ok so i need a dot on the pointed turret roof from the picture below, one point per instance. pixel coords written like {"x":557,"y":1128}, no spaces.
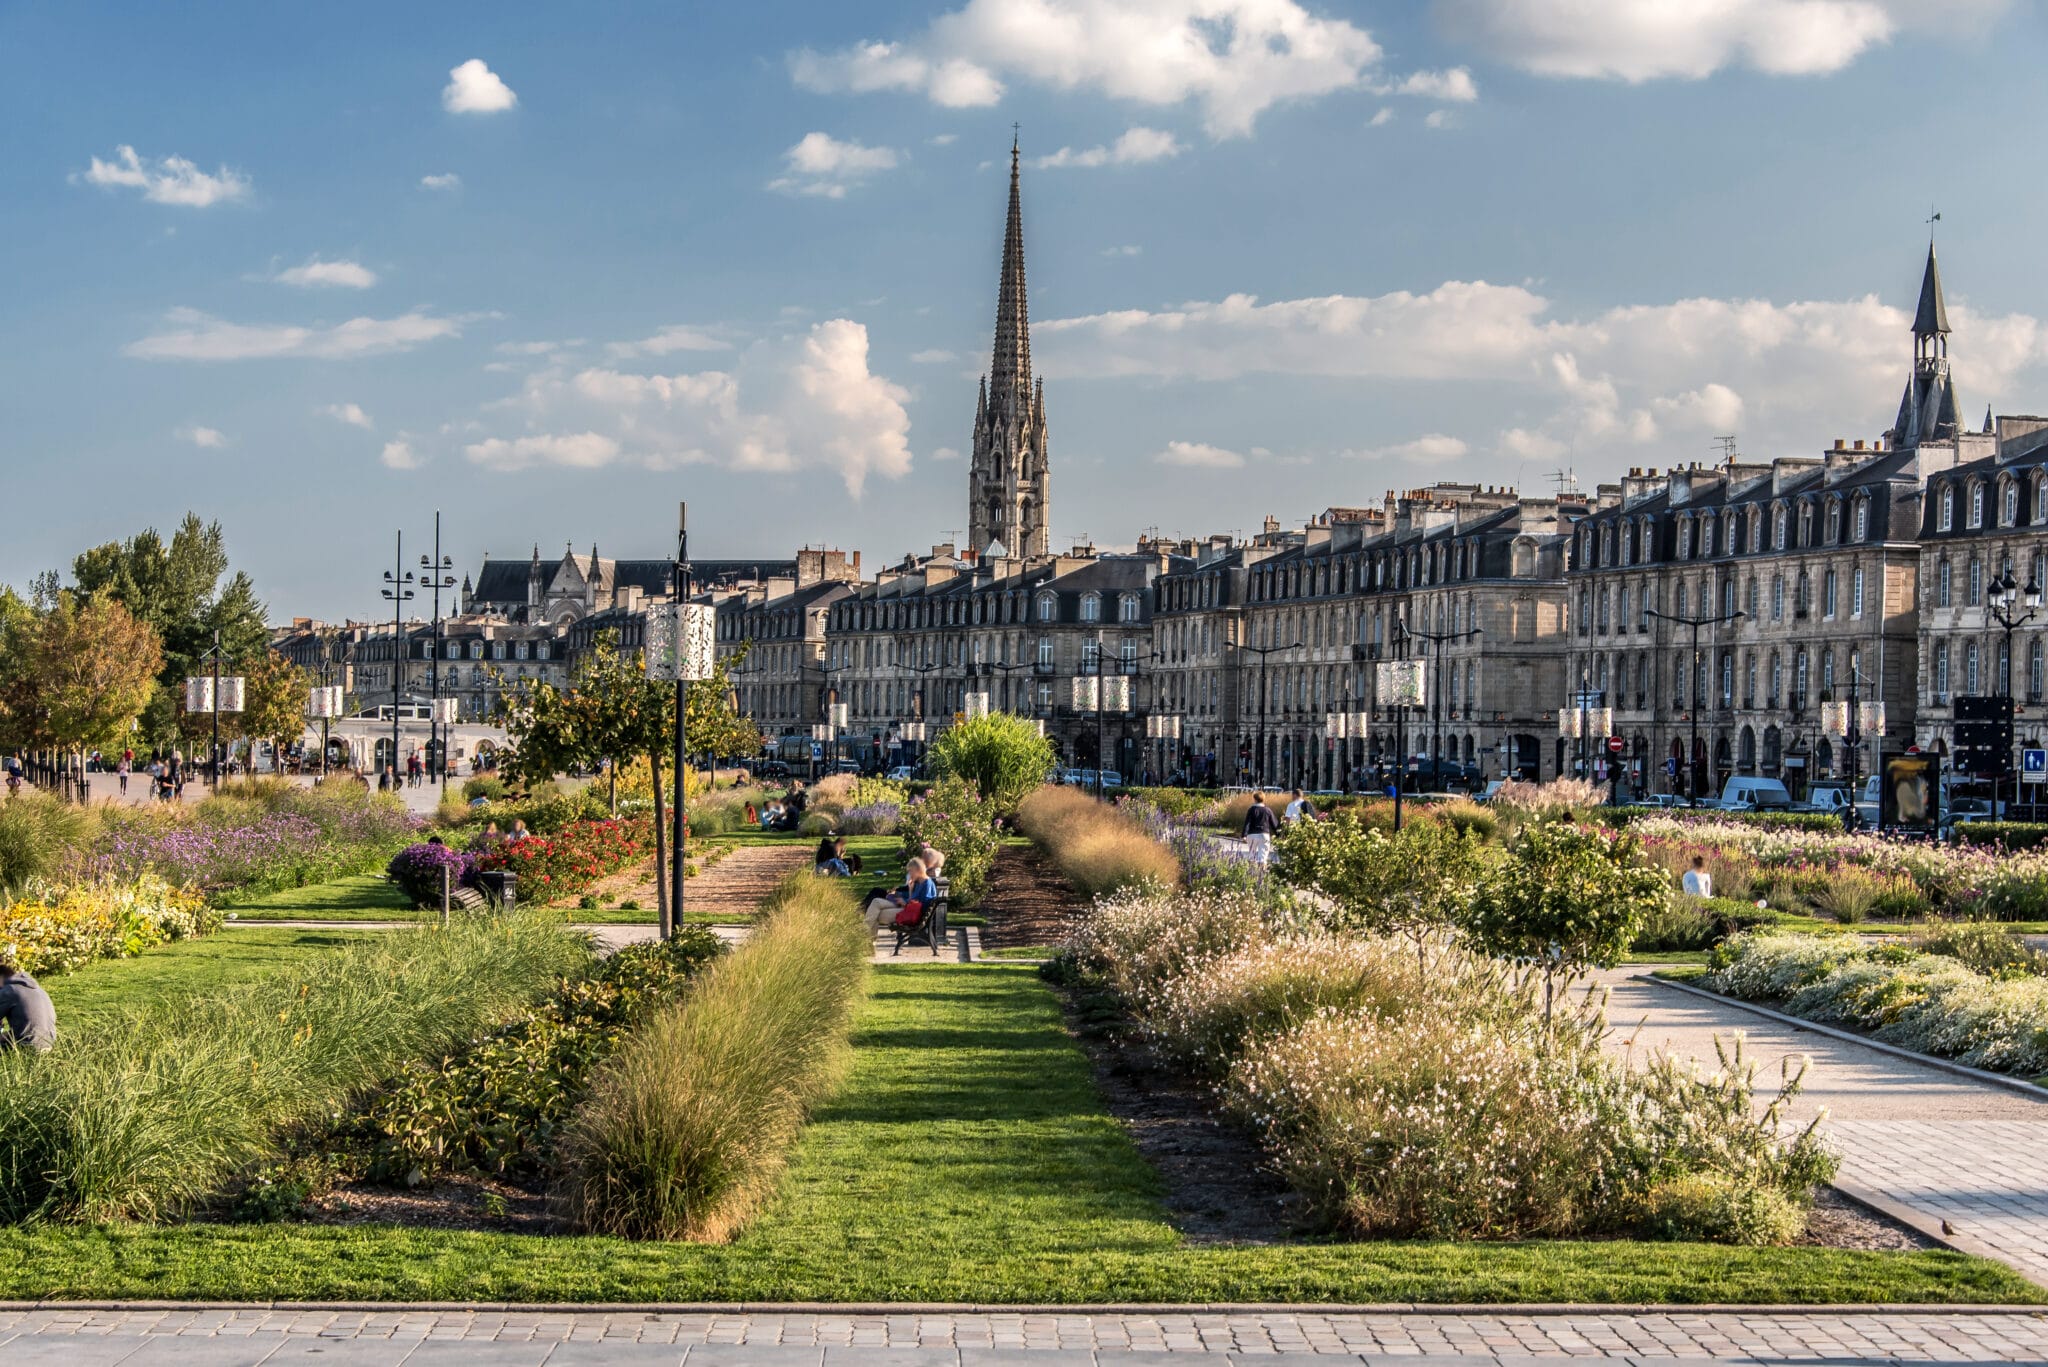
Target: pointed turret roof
{"x":1011,"y":366}
{"x":1931,"y":318}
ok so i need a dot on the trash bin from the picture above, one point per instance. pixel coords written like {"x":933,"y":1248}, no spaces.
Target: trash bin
{"x":501,"y":886}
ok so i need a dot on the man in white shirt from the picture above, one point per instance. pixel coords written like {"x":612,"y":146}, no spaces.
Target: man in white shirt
{"x":1697,"y":881}
{"x":1299,"y":808}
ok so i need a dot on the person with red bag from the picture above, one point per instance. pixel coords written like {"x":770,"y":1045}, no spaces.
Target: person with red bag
{"x":917,"y":893}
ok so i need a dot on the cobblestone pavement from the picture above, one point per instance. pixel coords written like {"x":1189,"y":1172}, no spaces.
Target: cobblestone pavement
{"x":1944,"y":1147}
{"x":568,"y":1338}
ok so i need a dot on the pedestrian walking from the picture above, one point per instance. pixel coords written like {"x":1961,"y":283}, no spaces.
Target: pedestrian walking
{"x":123,"y":771}
{"x":1259,"y":825}
{"x":1697,"y":881}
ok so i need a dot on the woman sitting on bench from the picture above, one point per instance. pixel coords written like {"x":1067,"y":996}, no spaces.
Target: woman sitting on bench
{"x":884,"y":904}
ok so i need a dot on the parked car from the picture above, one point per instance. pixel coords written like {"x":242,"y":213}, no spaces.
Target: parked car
{"x":903,"y":773}
{"x":1660,"y":800}
{"x":1747,"y":793}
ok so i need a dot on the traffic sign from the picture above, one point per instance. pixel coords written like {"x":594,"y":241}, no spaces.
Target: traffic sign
{"x":1614,"y":745}
{"x":2033,"y":765}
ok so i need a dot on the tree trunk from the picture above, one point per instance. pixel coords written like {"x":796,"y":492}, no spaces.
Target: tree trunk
{"x":660,"y":853}
{"x":612,"y":769}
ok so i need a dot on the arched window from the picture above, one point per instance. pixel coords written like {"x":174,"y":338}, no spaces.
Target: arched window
{"x":1778,"y":530}
{"x":1048,"y":607}
{"x":2012,"y":503}
{"x":1091,"y":607}
{"x":1127,"y":608}
{"x":1945,"y":518}
{"x":1706,"y":536}
{"x":1861,"y":529}
{"x":1941,"y":670}
{"x":1977,"y":503}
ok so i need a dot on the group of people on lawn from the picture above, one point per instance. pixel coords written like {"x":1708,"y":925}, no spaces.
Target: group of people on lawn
{"x":905,"y":904}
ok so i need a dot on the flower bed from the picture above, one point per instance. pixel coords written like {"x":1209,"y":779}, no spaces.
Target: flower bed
{"x":1933,"y":1003}
{"x":570,"y":860}
{"x":417,"y":870}
{"x":290,"y":838}
{"x":54,"y":929}
{"x":959,"y":823}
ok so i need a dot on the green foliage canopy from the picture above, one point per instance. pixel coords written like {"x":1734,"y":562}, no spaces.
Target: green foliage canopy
{"x":1000,"y":754}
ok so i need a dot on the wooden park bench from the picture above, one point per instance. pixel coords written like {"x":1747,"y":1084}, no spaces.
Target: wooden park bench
{"x":930,"y":926}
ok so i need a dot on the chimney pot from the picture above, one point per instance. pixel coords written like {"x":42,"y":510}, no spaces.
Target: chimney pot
{"x":1839,"y":443}
{"x":1859,"y":443}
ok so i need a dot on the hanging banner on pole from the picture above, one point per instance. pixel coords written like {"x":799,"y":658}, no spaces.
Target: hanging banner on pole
{"x":681,"y":641}
{"x":230,"y":699}
{"x":1403,"y":683}
{"x":199,"y":695}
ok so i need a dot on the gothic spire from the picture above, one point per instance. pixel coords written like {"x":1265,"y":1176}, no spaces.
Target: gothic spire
{"x":1931,"y":318}
{"x":1010,"y":368}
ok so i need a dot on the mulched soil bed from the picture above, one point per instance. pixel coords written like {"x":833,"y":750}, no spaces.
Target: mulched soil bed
{"x":1026,"y":901}
{"x":451,"y":1202}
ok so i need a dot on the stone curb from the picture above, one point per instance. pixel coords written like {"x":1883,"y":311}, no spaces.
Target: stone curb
{"x":2010,"y":1084}
{"x":1926,"y":1226}
{"x":861,"y":1308}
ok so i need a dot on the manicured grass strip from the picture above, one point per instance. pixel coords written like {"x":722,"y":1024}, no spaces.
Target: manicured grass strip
{"x":185,"y":968}
{"x":364,"y":897}
{"x":967,"y":1158}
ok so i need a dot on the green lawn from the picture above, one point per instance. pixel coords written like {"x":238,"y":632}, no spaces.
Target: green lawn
{"x":967,"y":1158}
{"x":185,"y":967}
{"x":364,"y":897}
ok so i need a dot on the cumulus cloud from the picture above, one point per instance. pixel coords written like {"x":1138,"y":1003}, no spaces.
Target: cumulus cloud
{"x":1429,"y":450}
{"x":933,"y":356}
{"x":1437,"y":118}
{"x":190,"y":335}
{"x":676,"y":337}
{"x":1455,"y":85}
{"x":1630,"y":40}
{"x":474,"y":88}
{"x":1199,"y":455}
{"x":804,"y":402}
{"x":319,"y":274}
{"x":1234,"y":59}
{"x":1786,"y":375}
{"x":350,"y":413}
{"x":946,"y":453}
{"x":1136,"y":147}
{"x":166,"y":180}
{"x":1382,"y":118}
{"x":445,"y":180}
{"x":823,"y":165}
{"x":210,"y":438}
{"x":1123,"y":249}
{"x":398,"y":454}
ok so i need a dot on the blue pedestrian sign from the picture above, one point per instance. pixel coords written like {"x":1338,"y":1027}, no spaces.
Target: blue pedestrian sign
{"x":2033,"y":766}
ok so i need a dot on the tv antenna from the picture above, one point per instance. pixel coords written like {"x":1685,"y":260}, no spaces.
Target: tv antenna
{"x":1727,"y":445}
{"x":1562,"y":480}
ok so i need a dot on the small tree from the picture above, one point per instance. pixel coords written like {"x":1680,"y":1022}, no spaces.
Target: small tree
{"x":273,"y":702}
{"x":1415,"y":883}
{"x":1002,"y":755}
{"x":80,"y":675}
{"x":1567,"y":898}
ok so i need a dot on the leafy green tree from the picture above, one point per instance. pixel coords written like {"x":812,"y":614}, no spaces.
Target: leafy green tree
{"x":1414,"y":883}
{"x":1567,"y":898}
{"x":273,"y":701}
{"x":184,"y":591}
{"x":1002,"y":755}
{"x":76,"y":675}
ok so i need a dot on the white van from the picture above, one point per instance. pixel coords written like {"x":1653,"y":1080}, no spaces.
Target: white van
{"x":1748,"y":794}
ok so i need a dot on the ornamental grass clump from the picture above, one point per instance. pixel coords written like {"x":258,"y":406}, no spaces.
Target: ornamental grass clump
{"x":1100,"y":848}
{"x":160,"y":1112}
{"x":687,"y":1127}
{"x":39,"y":836}
{"x":1139,"y":940}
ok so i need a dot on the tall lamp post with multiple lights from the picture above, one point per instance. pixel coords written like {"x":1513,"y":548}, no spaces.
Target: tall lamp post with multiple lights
{"x":1265,"y":654}
{"x":1696,"y":622}
{"x":681,"y":648}
{"x":212,"y":694}
{"x":398,"y":592}
{"x":438,"y":572}
{"x":1436,"y":640}
{"x":1851,"y":721}
{"x":2006,"y":595}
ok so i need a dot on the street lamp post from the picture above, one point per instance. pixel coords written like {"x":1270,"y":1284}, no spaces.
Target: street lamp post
{"x":920,"y":712}
{"x":1581,"y":718}
{"x":216,"y":702}
{"x":2005,"y":595}
{"x":1436,"y":641}
{"x":438,"y":574}
{"x":397,"y":591}
{"x":1265,"y":654}
{"x":1692,"y":754}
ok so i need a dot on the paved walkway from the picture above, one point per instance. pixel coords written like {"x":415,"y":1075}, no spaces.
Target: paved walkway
{"x":1945,"y":1148}
{"x":1067,"y":1338}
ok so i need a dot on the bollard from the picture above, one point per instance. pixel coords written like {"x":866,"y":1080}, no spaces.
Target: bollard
{"x":444,"y":894}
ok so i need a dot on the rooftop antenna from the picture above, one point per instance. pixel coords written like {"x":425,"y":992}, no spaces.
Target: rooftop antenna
{"x":1727,"y":445}
{"x":1562,"y":480}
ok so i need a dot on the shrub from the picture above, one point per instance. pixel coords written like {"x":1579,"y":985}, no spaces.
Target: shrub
{"x":1415,"y":882}
{"x":161,"y":1110}
{"x":954,"y":820}
{"x":2011,"y":835}
{"x":1717,"y":1208}
{"x":871,"y":818}
{"x":38,"y":835}
{"x":1548,"y":801}
{"x":55,"y":929}
{"x":1699,"y":922}
{"x":687,"y":1127}
{"x":1100,"y":848}
{"x":1467,"y":818}
{"x":2017,"y":890}
{"x":571,"y":859}
{"x":498,"y":1106}
{"x":1139,"y":939}
{"x":712,"y":818}
{"x":1003,"y":756}
{"x":489,"y":788}
{"x":1850,"y":893}
{"x":1983,"y":948}
{"x":417,"y":871}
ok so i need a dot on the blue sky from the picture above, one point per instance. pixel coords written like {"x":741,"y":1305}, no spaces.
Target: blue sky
{"x":549,"y":269}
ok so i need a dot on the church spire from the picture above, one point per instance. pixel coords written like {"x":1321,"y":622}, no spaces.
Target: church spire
{"x":1931,"y":318}
{"x":1010,"y":368}
{"x":1928,"y":411}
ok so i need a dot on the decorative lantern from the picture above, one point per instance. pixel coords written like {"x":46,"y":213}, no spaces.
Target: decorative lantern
{"x":199,"y":694}
{"x":1086,"y":693}
{"x":1116,"y":693}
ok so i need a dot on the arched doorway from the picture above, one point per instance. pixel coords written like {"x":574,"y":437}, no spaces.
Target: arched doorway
{"x":1747,"y":753}
{"x":1773,"y":759}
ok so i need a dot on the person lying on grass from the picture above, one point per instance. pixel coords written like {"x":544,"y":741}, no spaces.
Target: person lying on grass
{"x":27,"y":1020}
{"x":884,"y":904}
{"x":831,"y":858}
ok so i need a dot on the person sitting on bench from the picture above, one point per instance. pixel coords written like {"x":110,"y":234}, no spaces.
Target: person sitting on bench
{"x":883,"y":904}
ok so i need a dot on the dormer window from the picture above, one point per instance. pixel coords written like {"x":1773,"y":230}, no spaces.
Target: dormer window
{"x":2012,"y":504}
{"x":1945,"y":517}
{"x":1048,"y":607}
{"x":1127,"y":608}
{"x":1976,"y":505}
{"x":1862,"y":519}
{"x":1091,"y":607}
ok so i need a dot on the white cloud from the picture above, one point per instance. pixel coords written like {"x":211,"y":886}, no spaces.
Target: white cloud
{"x":803,"y":402}
{"x":676,"y":337}
{"x":1126,"y":249}
{"x":195,"y":336}
{"x":946,"y":453}
{"x":1235,"y":59}
{"x":1433,"y":449}
{"x":1136,"y":147}
{"x":399,"y":455}
{"x":1455,"y":85}
{"x":1381,"y":119}
{"x":1786,"y":376}
{"x":1199,"y":455}
{"x":209,"y":437}
{"x":1438,"y":118}
{"x":446,"y":180}
{"x":823,"y":165}
{"x":169,"y":180}
{"x":474,"y":88}
{"x":316,"y":274}
{"x":943,"y":139}
{"x":933,"y":356}
{"x":350,"y":413}
{"x":1643,"y":40}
